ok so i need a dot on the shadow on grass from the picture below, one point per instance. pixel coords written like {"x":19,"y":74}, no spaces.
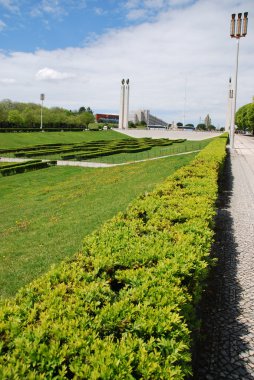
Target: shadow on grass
{"x":220,"y":350}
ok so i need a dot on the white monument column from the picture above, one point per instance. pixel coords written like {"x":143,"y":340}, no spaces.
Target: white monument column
{"x":229,"y":110}
{"x":126,"y":105}
{"x":122,"y":101}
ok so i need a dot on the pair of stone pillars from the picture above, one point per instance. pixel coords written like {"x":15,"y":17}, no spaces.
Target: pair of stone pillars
{"x":124,"y":105}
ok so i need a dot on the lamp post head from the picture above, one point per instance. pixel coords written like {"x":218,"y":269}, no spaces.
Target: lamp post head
{"x":127,"y":81}
{"x":239,"y":25}
{"x":245,"y":23}
{"x":232,"y":26}
{"x":238,"y":28}
{"x":123,"y":81}
{"x":42,"y":96}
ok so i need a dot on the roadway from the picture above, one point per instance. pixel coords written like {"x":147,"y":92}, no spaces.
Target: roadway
{"x":164,"y":133}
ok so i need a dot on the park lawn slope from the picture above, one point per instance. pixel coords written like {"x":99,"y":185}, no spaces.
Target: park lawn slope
{"x":124,"y":307}
{"x":20,"y":140}
{"x":46,"y":214}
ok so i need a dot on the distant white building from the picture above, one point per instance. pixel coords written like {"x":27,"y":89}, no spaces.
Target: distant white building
{"x":145,"y":116}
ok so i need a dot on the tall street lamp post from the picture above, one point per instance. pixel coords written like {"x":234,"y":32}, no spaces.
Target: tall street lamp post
{"x":229,"y":111}
{"x":42,"y":97}
{"x":238,"y":29}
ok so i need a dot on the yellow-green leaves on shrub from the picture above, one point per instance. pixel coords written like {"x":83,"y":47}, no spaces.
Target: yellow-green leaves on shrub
{"x":124,"y":308}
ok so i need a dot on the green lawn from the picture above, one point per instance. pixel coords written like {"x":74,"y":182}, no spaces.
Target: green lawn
{"x":18,"y":140}
{"x":45,"y":214}
{"x":71,"y":137}
{"x":157,"y":151}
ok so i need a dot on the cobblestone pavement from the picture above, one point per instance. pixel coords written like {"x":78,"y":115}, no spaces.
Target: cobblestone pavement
{"x":226,"y":349}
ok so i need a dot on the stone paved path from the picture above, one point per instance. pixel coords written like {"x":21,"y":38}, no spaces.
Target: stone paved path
{"x":227,"y":348}
{"x":169,"y":134}
{"x":97,"y":164}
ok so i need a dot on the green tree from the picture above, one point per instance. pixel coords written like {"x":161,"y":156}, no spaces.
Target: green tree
{"x":29,"y":114}
{"x":89,"y":110}
{"x":131,"y":124}
{"x":241,"y":117}
{"x":85,"y":118}
{"x":15,"y":117}
{"x":201,"y":127}
{"x":85,"y":109}
{"x":30,"y":117}
{"x":82,"y":109}
{"x":250,"y":118}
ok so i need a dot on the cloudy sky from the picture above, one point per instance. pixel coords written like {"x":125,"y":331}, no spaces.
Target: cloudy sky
{"x":177,"y":54}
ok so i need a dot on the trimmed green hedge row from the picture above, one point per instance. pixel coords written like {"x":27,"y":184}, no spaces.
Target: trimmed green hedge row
{"x":25,"y":167}
{"x":60,"y":128}
{"x":106,"y":152}
{"x":10,"y":165}
{"x":119,"y":146}
{"x":90,"y":149}
{"x":124,"y":307}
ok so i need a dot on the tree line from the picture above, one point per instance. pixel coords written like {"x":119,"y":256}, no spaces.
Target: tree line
{"x":28,"y":115}
{"x":244,"y":118}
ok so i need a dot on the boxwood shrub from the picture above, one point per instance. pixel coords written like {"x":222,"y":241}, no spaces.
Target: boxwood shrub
{"x":124,"y":307}
{"x":25,"y":167}
{"x":82,"y":150}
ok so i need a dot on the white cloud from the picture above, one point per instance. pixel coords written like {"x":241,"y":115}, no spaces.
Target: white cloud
{"x":139,"y":9}
{"x":2,"y":25}
{"x":56,"y":8}
{"x":7,"y":80}
{"x":51,"y":7}
{"x":137,"y":14}
{"x":48,"y":74}
{"x":10,"y":5}
{"x":99,"y":11}
{"x":192,"y":43}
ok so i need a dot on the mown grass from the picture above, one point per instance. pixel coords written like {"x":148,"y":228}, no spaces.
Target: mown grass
{"x":157,"y":151}
{"x":20,"y":140}
{"x":46,"y":214}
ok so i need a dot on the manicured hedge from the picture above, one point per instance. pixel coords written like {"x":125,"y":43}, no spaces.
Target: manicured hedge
{"x":25,"y":167}
{"x":84,"y":150}
{"x":54,"y":127}
{"x":14,"y":164}
{"x":105,"y":152}
{"x":124,"y":307}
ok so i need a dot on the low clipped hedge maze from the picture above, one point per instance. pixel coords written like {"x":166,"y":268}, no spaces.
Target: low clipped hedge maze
{"x":124,"y":307}
{"x":87,"y":150}
{"x":15,"y":168}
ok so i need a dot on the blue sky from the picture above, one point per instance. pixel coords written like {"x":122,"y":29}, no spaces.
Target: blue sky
{"x":32,"y":25}
{"x":177,"y":53}
{"x":51,"y":24}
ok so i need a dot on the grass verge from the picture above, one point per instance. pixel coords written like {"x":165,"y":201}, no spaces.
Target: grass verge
{"x":20,"y":140}
{"x":45,"y":215}
{"x":175,"y":148}
{"x":124,"y":308}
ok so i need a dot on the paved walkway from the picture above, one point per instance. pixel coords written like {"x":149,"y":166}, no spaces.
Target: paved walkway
{"x":227,"y":349}
{"x":97,"y":164}
{"x":168,"y":134}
